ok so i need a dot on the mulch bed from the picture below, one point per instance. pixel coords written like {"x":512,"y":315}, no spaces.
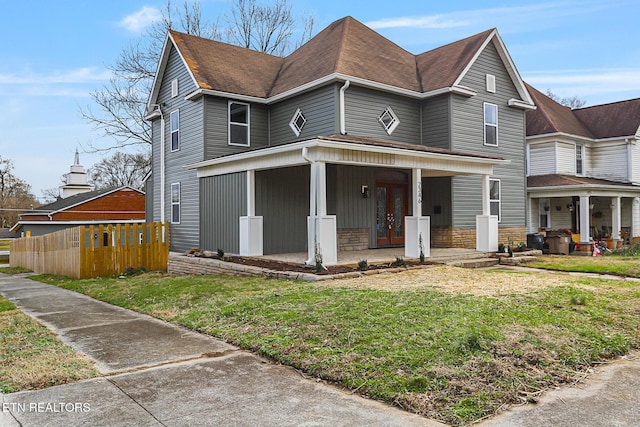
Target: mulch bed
{"x":303,"y":268}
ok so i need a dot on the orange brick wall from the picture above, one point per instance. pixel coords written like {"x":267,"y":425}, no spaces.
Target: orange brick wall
{"x":122,"y":204}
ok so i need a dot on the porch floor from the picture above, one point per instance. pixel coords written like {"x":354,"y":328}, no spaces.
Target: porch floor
{"x":383,"y":255}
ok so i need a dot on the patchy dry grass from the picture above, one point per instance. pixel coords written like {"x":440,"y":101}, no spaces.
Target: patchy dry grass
{"x":445,"y":342}
{"x":31,"y":357}
{"x":626,"y":266}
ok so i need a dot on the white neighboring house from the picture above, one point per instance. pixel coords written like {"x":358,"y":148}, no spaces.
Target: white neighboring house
{"x":583,"y":168}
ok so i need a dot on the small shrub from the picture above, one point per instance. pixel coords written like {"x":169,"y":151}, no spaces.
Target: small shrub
{"x":363,"y":265}
{"x":500,"y":247}
{"x":220,"y":253}
{"x":399,"y":262}
{"x":522,"y":247}
{"x":133,"y":271}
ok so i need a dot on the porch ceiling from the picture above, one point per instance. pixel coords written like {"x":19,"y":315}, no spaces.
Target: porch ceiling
{"x":342,"y":149}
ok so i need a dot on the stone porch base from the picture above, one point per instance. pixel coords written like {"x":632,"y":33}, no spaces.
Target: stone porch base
{"x":448,"y":237}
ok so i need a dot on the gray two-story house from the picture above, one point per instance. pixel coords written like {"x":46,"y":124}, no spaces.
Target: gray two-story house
{"x":350,"y":142}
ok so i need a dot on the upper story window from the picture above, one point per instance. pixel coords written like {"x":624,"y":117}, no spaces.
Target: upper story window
{"x":579,"y":159}
{"x":175,"y":203}
{"x":238,"y":123}
{"x":388,"y":120}
{"x":490,"y":124}
{"x":297,"y":122}
{"x":175,"y":130}
{"x":495,"y":203}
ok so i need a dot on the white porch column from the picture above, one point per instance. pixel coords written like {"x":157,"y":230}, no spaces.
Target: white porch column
{"x":417,"y":227}
{"x":585,"y":214}
{"x":322,"y":230}
{"x":251,"y":228}
{"x":486,"y":224}
{"x":616,"y":218}
{"x":635,"y":217}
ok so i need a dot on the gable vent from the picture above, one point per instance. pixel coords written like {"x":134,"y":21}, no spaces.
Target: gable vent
{"x":491,"y":83}
{"x":174,"y":88}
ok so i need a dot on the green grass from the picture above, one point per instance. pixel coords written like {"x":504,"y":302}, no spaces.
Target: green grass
{"x":457,"y":358}
{"x":14,"y":270}
{"x":31,"y":357}
{"x":611,"y":264}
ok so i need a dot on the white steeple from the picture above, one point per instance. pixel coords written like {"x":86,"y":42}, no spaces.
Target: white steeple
{"x":77,"y":180}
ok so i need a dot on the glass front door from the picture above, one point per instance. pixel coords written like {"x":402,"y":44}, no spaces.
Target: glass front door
{"x":391,"y":208}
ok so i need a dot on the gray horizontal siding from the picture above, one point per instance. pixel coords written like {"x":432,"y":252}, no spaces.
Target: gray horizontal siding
{"x":436,"y":124}
{"x":467,"y":135}
{"x":319,"y":107}
{"x":364,"y":106}
{"x":224,"y":201}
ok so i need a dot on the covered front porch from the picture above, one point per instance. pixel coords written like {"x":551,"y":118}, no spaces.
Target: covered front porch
{"x":352,"y":185}
{"x":594,"y":210}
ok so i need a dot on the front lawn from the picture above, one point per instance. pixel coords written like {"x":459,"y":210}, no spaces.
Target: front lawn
{"x":611,"y":264}
{"x":436,"y":349}
{"x":31,"y":357}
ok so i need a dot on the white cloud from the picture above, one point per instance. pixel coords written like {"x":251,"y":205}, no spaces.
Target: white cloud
{"x":430,"y":21}
{"x":75,"y":76}
{"x":141,"y":19}
{"x":594,"y":85}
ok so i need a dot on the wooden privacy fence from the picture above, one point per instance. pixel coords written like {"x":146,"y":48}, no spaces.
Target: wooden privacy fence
{"x":94,"y":251}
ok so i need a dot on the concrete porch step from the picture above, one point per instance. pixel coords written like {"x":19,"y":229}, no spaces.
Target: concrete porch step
{"x":474,"y":263}
{"x":517,"y":260}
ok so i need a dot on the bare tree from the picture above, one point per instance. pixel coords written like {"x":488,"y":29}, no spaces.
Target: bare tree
{"x":120,"y":169}
{"x":572,"y":102}
{"x":15,"y":194}
{"x":121,"y":105}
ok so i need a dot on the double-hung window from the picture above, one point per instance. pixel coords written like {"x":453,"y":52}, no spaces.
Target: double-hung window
{"x":238,"y":123}
{"x":490,"y":124}
{"x":175,"y":203}
{"x":494,"y":198}
{"x":175,"y":130}
{"x":579,"y":159}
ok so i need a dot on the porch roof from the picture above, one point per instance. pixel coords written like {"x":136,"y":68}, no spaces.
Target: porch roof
{"x":352,"y":150}
{"x":557,"y":185}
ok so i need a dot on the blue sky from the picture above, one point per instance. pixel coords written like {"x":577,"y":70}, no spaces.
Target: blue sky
{"x":55,"y":53}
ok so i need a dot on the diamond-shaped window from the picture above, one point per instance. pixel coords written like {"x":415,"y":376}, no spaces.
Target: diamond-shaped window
{"x":297,"y":122}
{"x":388,"y":120}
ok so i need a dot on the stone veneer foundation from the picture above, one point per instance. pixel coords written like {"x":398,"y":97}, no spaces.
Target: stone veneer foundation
{"x":447,"y":237}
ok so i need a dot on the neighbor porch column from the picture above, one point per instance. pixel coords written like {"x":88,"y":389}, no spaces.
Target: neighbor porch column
{"x":417,"y":227}
{"x":635,"y":217}
{"x":585,"y":231}
{"x":322,"y":231}
{"x":486,"y":224}
{"x":251,"y":228}
{"x":616,"y":218}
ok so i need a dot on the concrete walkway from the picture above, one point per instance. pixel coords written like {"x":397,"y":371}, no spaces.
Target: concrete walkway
{"x":157,"y":374}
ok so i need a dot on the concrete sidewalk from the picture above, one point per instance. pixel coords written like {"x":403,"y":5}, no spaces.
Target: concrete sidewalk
{"x":157,"y":374}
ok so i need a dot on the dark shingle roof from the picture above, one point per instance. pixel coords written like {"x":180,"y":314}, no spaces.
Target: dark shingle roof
{"x":617,"y":119}
{"x":556,"y":180}
{"x":70,"y":201}
{"x":345,"y":47}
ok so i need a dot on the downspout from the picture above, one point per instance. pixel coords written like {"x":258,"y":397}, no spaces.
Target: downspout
{"x":343,"y":125}
{"x":162,"y":166}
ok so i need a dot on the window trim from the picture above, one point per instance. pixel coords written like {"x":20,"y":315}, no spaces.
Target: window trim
{"x":484,"y":112}
{"x":579,"y":148}
{"x":172,"y":131}
{"x":178,"y":203}
{"x":498,"y":200}
{"x":247,"y":125}
{"x":293,"y":123}
{"x":395,"y":121}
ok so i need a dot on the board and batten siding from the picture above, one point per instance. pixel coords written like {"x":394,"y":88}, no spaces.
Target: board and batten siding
{"x":437,"y":192}
{"x":319,"y":108}
{"x":351,"y":209}
{"x":436,"y":124}
{"x":282,"y":199}
{"x":468,"y":135}
{"x":216,"y":128}
{"x":223,"y":202}
{"x":609,"y":161}
{"x":364,"y":106}
{"x":184,"y":235}
{"x":542,"y":158}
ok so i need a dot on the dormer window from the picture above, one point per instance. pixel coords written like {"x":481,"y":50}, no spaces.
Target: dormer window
{"x":297,"y":122}
{"x":388,"y":120}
